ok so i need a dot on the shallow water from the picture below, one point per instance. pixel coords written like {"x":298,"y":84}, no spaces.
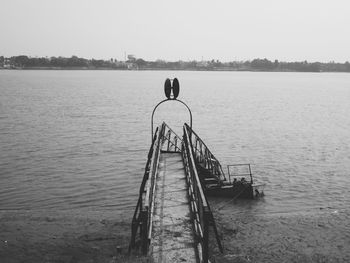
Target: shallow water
{"x":78,"y":140}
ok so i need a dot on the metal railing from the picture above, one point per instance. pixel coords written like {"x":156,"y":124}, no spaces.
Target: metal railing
{"x":202,"y":216}
{"x":172,"y":140}
{"x":148,"y":200}
{"x":201,"y":212}
{"x":204,"y":157}
{"x":144,"y":211}
{"x":143,"y":214}
{"x":241,"y":172}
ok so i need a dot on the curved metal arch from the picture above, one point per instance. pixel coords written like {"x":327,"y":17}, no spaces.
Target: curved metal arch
{"x":189,"y":110}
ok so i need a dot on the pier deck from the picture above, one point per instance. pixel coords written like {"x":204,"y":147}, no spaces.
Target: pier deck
{"x":172,"y":237}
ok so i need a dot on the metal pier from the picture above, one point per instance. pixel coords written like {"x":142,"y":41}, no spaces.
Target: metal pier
{"x":172,"y":215}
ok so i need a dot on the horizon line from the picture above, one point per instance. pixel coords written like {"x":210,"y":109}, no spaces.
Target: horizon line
{"x":180,"y":60}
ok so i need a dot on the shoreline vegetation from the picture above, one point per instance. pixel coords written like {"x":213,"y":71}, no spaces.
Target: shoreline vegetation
{"x":133,"y":63}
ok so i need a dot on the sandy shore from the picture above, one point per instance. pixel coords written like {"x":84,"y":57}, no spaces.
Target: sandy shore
{"x":60,"y":237}
{"x":66,"y":237}
{"x":292,"y":237}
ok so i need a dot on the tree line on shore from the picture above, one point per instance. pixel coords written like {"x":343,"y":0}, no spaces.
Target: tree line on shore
{"x":74,"y":62}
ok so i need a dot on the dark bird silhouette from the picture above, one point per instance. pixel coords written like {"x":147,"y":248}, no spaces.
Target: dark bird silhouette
{"x":167,"y":88}
{"x":176,"y":88}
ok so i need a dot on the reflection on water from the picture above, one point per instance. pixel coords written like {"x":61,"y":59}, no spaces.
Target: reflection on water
{"x":79,"y":139}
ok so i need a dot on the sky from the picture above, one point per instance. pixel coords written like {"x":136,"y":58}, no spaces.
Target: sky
{"x":287,"y":30}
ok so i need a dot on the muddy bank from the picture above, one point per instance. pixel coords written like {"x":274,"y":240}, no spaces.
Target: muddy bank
{"x":62,"y":237}
{"x":322,"y":236}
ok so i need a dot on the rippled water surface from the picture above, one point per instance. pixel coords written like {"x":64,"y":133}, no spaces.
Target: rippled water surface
{"x":79,"y":139}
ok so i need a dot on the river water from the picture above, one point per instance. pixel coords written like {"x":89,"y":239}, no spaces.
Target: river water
{"x":78,"y":140}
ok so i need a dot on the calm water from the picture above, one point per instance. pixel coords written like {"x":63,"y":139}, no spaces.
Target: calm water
{"x":79,"y":139}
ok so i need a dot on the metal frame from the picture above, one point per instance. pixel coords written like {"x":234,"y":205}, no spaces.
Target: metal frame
{"x":204,"y":156}
{"x":240,"y":175}
{"x":189,"y":110}
{"x":202,"y":215}
{"x":143,"y":215}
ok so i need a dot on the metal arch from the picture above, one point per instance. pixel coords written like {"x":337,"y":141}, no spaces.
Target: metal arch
{"x":165,"y":101}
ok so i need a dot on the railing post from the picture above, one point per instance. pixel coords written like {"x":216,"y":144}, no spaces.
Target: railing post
{"x":143,"y":232}
{"x":134,"y":227}
{"x":168,"y":148}
{"x":206,"y":236}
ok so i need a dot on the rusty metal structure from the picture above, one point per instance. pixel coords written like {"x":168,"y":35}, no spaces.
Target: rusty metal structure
{"x":176,"y":220}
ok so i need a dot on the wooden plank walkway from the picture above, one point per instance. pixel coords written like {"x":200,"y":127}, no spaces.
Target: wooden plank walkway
{"x":172,"y":235}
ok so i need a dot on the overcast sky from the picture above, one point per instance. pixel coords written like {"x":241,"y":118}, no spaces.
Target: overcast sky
{"x":287,"y":30}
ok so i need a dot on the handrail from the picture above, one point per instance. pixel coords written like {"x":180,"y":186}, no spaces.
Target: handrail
{"x":174,"y":140}
{"x":192,"y":165}
{"x":144,"y":211}
{"x":202,"y":215}
{"x":143,"y":214}
{"x":149,"y":201}
{"x":140,"y":213}
{"x":204,"y":156}
{"x":197,"y":197}
{"x":249,"y":173}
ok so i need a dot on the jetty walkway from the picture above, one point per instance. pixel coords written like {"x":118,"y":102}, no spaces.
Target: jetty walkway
{"x":172,"y":216}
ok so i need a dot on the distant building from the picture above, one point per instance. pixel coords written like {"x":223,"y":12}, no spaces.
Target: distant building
{"x":7,"y":63}
{"x":132,"y":66}
{"x":202,"y":64}
{"x":131,"y":58}
{"x":120,"y":63}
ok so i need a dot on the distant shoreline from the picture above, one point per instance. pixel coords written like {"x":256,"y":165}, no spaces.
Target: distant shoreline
{"x":132,"y":63}
{"x":164,"y":69}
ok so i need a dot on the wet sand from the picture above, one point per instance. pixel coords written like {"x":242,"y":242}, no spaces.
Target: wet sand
{"x":289,"y":237}
{"x":63,"y":237}
{"x":60,"y":237}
